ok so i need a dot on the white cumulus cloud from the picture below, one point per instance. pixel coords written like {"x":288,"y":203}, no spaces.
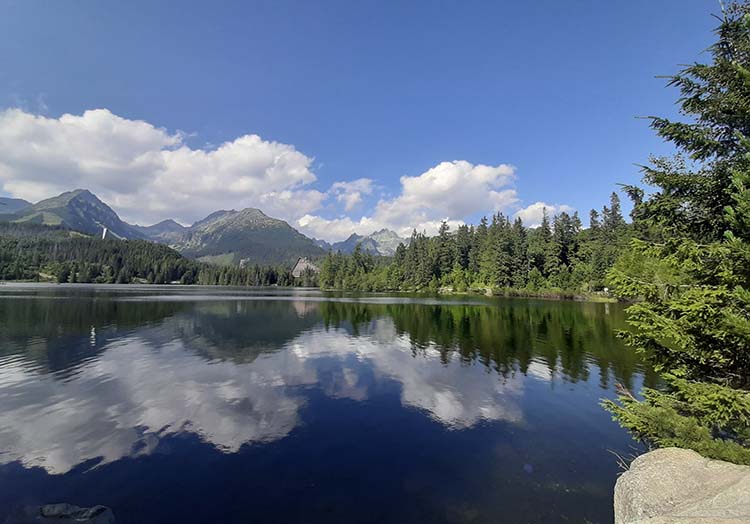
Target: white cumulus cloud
{"x":350,"y":193}
{"x":147,"y":173}
{"x":532,"y":214}
{"x":449,"y":191}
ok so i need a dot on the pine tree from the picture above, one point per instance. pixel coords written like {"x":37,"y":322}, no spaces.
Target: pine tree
{"x":444,"y":251}
{"x":478,"y":240}
{"x":463,"y":245}
{"x":594,"y":221}
{"x":519,"y":256}
{"x":613,"y":221}
{"x":63,"y":273}
{"x":691,"y":264}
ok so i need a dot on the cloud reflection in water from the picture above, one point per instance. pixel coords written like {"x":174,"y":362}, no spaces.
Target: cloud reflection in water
{"x":146,"y":385}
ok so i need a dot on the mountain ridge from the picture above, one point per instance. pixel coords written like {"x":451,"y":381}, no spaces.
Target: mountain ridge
{"x":224,"y":236}
{"x":165,"y":231}
{"x":382,"y":242}
{"x":79,"y":210}
{"x":12,"y":205}
{"x":248,"y":234}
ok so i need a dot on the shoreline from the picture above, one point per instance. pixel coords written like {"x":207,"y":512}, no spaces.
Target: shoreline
{"x":499,"y":293}
{"x":564,"y":296}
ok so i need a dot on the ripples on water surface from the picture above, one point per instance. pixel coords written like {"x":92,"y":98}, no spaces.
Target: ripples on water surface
{"x":232,"y":405}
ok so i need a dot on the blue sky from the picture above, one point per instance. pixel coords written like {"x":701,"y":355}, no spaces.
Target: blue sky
{"x":339,"y":92}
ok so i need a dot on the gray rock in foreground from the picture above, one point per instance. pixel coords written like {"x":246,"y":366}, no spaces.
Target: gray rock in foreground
{"x":73,"y":514}
{"x":61,"y":514}
{"x":679,"y":486}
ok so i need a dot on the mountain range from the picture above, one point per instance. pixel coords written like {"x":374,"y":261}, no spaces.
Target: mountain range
{"x":223,"y":237}
{"x":12,"y":205}
{"x":79,"y":210}
{"x":167,"y":231}
{"x":383,"y":242}
{"x":227,"y":237}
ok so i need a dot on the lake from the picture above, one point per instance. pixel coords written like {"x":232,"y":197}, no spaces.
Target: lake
{"x":196,"y":405}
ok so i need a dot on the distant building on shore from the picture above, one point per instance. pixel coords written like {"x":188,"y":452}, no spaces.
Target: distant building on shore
{"x":303,"y":265}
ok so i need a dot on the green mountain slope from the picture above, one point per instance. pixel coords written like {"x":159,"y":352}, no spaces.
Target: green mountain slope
{"x":230,"y":236}
{"x":31,"y":251}
{"x":12,"y":205}
{"x":167,"y":231}
{"x":80,"y":210}
{"x":223,"y":237}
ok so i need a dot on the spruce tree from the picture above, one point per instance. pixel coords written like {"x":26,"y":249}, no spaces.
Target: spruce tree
{"x":444,"y":250}
{"x":690,"y":266}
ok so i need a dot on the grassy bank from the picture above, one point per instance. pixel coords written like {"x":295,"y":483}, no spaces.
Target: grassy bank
{"x":548,"y":294}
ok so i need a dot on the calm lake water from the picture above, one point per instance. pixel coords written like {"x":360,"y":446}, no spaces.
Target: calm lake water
{"x":202,"y":405}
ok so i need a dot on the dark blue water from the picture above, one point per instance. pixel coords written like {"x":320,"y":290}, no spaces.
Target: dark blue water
{"x":212,"y":405}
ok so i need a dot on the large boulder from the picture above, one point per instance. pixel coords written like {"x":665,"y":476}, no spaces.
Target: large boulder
{"x":61,"y":513}
{"x":73,"y":514}
{"x":679,"y":486}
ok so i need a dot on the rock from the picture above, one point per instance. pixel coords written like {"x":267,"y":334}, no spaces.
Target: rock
{"x":679,"y":486}
{"x":60,"y":514}
{"x":68,"y":513}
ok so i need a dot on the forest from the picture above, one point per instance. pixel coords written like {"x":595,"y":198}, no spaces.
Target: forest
{"x":559,"y":257}
{"x":35,"y":252}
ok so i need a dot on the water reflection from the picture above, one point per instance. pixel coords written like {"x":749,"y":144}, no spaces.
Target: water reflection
{"x":99,"y":380}
{"x":456,"y":395}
